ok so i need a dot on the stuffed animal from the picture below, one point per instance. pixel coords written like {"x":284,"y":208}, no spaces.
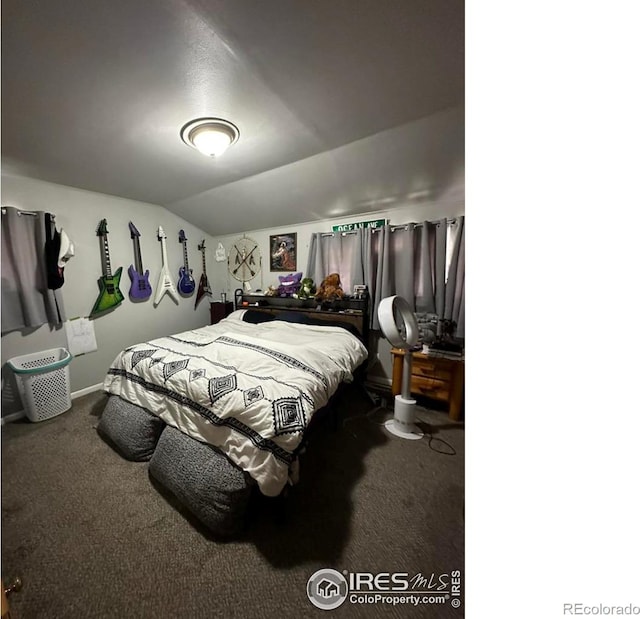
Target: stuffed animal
{"x":272,"y":291}
{"x":289,"y":284}
{"x":307,"y":288}
{"x":330,"y":289}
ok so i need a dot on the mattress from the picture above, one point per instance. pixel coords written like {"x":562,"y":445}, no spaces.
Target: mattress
{"x":250,"y":390}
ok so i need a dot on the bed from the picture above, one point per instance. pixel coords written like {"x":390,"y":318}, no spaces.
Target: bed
{"x":223,"y":408}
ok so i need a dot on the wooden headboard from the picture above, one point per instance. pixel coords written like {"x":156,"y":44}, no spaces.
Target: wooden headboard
{"x":353,"y":312}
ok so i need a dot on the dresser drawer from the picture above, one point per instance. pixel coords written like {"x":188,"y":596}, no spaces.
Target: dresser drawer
{"x":430,"y":368}
{"x":432,"y":376}
{"x":430,"y":387}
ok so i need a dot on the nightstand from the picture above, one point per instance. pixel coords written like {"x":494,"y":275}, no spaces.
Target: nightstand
{"x":220,"y":310}
{"x":436,"y":376}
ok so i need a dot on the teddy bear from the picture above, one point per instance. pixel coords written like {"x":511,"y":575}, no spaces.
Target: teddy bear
{"x":330,"y":288}
{"x":307,"y":288}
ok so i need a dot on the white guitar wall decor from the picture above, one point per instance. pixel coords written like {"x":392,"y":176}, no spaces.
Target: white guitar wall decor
{"x":165,"y":283}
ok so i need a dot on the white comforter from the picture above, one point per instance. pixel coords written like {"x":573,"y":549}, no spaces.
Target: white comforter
{"x":248,"y":389}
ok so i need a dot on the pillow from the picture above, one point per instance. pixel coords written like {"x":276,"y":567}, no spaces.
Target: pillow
{"x":255,"y":317}
{"x":305,"y":319}
{"x":298,"y":317}
{"x":133,"y":430}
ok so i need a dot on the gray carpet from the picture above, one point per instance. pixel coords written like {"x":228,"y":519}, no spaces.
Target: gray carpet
{"x":92,"y":536}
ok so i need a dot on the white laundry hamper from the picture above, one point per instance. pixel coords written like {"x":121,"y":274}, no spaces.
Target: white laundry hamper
{"x":43,"y":382}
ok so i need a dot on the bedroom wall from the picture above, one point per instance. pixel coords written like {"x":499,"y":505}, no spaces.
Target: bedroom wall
{"x":450,"y":205}
{"x":79,"y":212}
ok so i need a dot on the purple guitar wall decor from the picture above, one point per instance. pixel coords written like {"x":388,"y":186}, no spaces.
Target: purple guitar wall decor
{"x":140,"y":286}
{"x":186,"y":283}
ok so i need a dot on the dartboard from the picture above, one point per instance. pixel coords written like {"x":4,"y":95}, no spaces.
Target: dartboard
{"x":244,"y":259}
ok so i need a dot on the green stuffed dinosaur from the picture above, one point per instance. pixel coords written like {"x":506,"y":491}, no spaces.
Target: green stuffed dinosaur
{"x":307,"y":288}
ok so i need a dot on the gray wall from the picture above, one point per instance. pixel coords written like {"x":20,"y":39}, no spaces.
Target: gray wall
{"x":79,"y":212}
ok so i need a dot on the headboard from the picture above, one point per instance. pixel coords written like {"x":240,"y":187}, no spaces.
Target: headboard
{"x":351,"y":312}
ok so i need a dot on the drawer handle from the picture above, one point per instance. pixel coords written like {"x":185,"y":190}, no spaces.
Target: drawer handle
{"x":435,"y":374}
{"x":426,"y":369}
{"x":430,"y":387}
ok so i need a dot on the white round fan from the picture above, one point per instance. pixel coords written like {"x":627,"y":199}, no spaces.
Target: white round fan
{"x":400,"y":327}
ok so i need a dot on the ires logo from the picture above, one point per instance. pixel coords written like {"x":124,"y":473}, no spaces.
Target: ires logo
{"x":448,"y":582}
{"x":327,"y":589}
{"x":384,"y":581}
{"x":456,"y":584}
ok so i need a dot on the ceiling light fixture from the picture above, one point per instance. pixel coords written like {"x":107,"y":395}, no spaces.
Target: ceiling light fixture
{"x":211,"y":136}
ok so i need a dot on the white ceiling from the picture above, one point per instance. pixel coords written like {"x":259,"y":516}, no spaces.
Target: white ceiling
{"x":334,"y":100}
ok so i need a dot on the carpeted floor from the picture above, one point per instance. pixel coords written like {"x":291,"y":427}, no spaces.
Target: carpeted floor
{"x":91,"y":535}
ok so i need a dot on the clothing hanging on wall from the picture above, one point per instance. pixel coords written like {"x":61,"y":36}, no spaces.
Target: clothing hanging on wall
{"x":55,"y":275}
{"x":27,"y":301}
{"x":67,"y":249}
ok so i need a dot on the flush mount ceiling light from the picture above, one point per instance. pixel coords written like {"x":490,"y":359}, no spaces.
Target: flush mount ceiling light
{"x":211,"y":136}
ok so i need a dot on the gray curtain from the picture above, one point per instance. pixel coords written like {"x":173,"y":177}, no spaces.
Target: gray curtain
{"x":335,"y":253}
{"x":433,"y":247}
{"x":26,"y":299}
{"x":316,"y":262}
{"x":377,"y":269}
{"x":454,"y":301}
{"x":408,"y":260}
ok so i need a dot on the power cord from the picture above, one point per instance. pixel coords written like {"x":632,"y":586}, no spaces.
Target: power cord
{"x":382,"y":406}
{"x":432,"y":438}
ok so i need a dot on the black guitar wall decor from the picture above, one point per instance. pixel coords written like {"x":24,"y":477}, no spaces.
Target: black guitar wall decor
{"x":203,"y":286}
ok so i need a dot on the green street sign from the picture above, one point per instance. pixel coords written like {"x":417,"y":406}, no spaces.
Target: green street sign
{"x":375,"y":223}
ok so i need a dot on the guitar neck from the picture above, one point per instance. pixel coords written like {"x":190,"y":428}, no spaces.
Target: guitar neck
{"x":137,"y":255}
{"x":186,"y":255}
{"x":107,"y":260}
{"x":163,"y":244}
{"x":204,"y":264}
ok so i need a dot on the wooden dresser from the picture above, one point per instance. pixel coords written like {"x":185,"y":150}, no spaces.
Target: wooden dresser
{"x":433,"y":376}
{"x":220,"y":310}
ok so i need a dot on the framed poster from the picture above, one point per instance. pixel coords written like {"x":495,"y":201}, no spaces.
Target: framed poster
{"x":283,"y":252}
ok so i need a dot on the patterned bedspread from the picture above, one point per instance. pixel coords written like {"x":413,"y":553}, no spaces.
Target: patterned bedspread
{"x":250,"y":390}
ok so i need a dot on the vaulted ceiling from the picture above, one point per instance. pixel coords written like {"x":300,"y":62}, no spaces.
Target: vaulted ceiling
{"x":334,"y":100}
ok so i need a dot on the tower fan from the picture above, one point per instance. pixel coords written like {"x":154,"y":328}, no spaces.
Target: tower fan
{"x":400,"y":327}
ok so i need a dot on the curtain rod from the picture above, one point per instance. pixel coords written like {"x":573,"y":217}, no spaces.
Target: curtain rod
{"x":21,"y":212}
{"x":392,"y":228}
